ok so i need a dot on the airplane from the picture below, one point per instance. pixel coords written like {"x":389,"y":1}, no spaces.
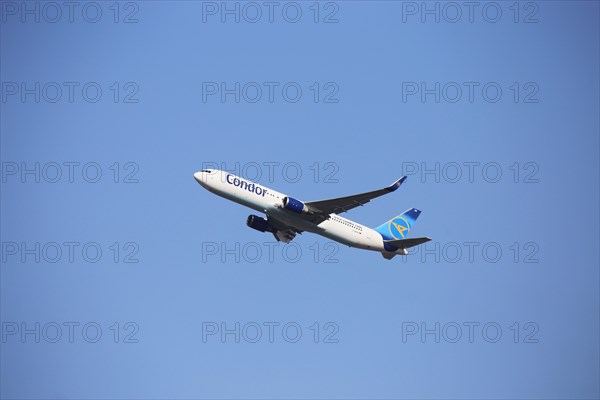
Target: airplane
{"x":287,"y":216}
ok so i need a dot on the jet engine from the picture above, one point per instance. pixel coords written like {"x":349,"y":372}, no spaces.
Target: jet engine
{"x":289,"y":203}
{"x":259,"y":223}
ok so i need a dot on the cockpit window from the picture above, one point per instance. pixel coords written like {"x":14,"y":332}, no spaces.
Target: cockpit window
{"x":207,"y":170}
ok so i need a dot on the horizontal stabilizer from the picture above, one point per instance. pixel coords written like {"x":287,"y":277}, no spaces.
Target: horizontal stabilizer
{"x":407,"y":243}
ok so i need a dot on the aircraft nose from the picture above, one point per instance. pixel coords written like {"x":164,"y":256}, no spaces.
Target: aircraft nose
{"x":198,"y":177}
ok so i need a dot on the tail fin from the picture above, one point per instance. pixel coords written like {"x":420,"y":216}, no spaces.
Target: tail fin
{"x":398,"y":227}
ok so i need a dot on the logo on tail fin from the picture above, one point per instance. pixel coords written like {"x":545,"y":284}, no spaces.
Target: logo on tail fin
{"x":398,"y":227}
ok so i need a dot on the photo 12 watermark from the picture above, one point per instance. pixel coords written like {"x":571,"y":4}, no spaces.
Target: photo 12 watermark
{"x":469,"y":92}
{"x":470,"y":12}
{"x":435,"y":332}
{"x":28,"y":332}
{"x":474,"y":252}
{"x":269,"y":252}
{"x":270,"y":332}
{"x":270,"y":92}
{"x":71,"y":172}
{"x":69,"y":12}
{"x":277,"y":171}
{"x":270,"y":12}
{"x":485,"y":171}
{"x":69,"y":252}
{"x":90,"y":92}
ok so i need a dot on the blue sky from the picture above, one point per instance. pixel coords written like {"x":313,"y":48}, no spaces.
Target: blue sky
{"x":505,"y":171}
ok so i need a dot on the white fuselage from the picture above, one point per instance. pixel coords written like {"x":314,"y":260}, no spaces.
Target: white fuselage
{"x":270,"y":202}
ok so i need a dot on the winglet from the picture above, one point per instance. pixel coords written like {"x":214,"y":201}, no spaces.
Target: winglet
{"x":396,"y":184}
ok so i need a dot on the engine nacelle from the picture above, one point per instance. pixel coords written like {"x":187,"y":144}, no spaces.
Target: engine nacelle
{"x":289,"y":203}
{"x":259,"y":223}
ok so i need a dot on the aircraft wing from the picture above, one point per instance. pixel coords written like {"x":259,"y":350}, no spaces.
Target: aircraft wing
{"x":343,"y":204}
{"x":283,"y":233}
